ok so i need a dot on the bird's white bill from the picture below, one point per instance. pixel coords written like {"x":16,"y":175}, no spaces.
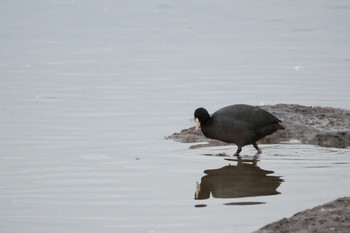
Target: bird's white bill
{"x":198,"y":124}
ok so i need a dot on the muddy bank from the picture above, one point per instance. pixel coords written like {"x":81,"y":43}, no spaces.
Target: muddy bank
{"x":323,"y":126}
{"x":330,"y":217}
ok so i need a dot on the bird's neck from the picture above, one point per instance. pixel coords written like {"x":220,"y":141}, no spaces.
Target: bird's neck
{"x":205,"y":127}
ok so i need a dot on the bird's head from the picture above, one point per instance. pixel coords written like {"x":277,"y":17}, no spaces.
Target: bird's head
{"x":201,"y":116}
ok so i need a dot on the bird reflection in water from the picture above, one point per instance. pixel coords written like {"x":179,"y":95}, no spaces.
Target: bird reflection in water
{"x":245,"y":179}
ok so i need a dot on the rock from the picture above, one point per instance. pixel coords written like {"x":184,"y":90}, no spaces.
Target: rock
{"x":330,"y":217}
{"x":330,"y":139}
{"x":323,"y":126}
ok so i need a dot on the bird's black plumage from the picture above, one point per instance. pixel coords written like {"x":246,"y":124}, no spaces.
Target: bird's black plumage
{"x":239,"y":124}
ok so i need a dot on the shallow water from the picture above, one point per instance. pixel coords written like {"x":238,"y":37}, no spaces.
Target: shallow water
{"x":89,"y":90}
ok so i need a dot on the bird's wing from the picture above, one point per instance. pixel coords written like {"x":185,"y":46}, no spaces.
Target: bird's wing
{"x":250,"y":114}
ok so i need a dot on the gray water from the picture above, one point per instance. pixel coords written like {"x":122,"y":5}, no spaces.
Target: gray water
{"x":89,"y":89}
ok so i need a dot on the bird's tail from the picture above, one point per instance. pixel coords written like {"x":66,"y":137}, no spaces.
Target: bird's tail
{"x":267,"y":130}
{"x":279,"y":126}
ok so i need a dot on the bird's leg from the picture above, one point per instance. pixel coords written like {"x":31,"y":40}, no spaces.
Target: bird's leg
{"x":257,"y":147}
{"x":239,"y":149}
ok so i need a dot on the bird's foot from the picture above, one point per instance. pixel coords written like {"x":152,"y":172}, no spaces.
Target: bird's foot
{"x":257,"y":148}
{"x":239,"y":149}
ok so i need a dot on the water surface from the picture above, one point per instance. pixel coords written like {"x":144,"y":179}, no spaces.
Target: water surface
{"x":89,"y":90}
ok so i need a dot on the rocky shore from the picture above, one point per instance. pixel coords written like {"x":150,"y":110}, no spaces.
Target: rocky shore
{"x":322,"y":126}
{"x":330,"y":217}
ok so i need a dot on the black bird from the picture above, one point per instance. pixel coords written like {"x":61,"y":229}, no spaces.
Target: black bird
{"x":239,"y":124}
